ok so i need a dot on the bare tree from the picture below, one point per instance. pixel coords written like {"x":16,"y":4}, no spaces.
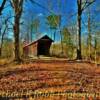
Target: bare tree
{"x":35,"y":26}
{"x":1,"y":9}
{"x":4,"y":28}
{"x":17,"y":6}
{"x":2,"y":34}
{"x":89,"y":35}
{"x":81,"y":6}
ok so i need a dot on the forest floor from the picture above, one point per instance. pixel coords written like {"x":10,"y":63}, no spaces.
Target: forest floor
{"x":57,"y":76}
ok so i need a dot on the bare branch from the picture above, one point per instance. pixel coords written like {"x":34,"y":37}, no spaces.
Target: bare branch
{"x":2,"y":6}
{"x":11,"y":3}
{"x":87,"y":4}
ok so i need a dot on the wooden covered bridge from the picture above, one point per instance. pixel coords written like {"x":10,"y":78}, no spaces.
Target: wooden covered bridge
{"x":39,"y":47}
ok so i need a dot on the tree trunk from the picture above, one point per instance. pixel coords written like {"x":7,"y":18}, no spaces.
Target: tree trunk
{"x":79,"y":56}
{"x":0,"y":51}
{"x":31,"y":33}
{"x":2,"y":37}
{"x":61,"y":36}
{"x":95,"y":47}
{"x":61,"y":43}
{"x":16,"y":36}
{"x":18,"y":7}
{"x":1,"y":45}
{"x":1,"y":9}
{"x":54,"y":34}
{"x":89,"y":37}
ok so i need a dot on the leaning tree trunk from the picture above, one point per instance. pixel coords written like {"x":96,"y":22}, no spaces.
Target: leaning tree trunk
{"x":79,"y":56}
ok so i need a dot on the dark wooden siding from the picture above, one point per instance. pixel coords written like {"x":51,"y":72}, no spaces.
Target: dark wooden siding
{"x":39,"y":47}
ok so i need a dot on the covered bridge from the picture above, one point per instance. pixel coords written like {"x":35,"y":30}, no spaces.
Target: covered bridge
{"x":38,"y":47}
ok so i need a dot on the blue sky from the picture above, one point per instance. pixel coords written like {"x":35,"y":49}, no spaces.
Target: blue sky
{"x":67,"y":9}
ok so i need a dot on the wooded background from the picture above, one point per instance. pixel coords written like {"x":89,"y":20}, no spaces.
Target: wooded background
{"x":76,"y":33}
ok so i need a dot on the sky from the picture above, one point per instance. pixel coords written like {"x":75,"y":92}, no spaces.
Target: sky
{"x":67,"y":9}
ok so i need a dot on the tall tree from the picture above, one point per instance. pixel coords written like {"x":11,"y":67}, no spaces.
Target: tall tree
{"x":79,"y":3}
{"x":89,"y":35}
{"x":53,"y":21}
{"x":2,"y":33}
{"x":59,"y":2}
{"x":67,"y":40}
{"x":1,"y":9}
{"x":18,"y":8}
{"x":81,"y":6}
{"x":35,"y":27}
